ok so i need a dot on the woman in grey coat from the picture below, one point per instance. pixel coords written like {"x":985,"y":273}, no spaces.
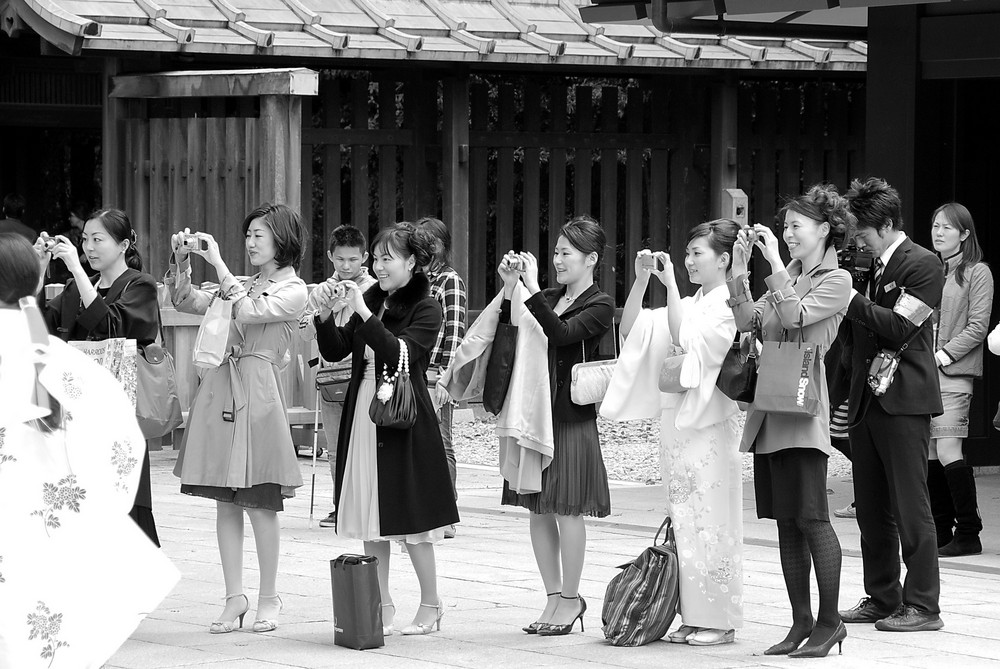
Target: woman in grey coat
{"x":806,"y":299}
{"x":963,"y":321}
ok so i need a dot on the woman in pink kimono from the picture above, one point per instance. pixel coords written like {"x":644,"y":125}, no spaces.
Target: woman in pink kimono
{"x":237,"y":448}
{"x":699,"y":431}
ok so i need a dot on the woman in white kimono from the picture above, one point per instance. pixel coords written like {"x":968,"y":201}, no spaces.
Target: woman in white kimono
{"x":76,"y":574}
{"x":237,"y":449}
{"x":699,"y":434}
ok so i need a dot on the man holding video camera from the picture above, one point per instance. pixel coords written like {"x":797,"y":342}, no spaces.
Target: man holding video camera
{"x":893,"y":394}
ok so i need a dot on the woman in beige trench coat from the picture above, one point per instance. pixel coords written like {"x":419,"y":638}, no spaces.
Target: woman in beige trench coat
{"x":237,"y":448}
{"x":806,"y":299}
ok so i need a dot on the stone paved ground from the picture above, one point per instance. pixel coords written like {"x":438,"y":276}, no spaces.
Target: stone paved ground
{"x":490,"y":585}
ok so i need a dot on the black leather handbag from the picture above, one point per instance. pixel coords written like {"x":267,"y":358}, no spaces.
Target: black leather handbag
{"x":394,"y":404}
{"x":738,"y":376}
{"x":499,"y":368}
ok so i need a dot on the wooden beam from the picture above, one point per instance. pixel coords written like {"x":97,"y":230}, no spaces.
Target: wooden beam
{"x":455,"y":165}
{"x":724,"y":144}
{"x":112,"y":135}
{"x":281,"y":150}
{"x":218,"y":83}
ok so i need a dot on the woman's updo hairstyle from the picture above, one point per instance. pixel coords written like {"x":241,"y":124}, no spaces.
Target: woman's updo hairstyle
{"x":823,"y":203}
{"x":440,"y":236}
{"x":116,"y":222}
{"x":20,"y":272}
{"x":721,"y":235}
{"x":404,"y":240}
{"x":586,"y":235}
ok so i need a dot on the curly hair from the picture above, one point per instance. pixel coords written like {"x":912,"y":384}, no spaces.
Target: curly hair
{"x":824,"y":204}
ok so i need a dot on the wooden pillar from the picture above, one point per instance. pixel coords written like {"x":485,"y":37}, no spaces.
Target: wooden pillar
{"x":724,"y":136}
{"x":113,"y":163}
{"x":893,"y":80}
{"x":455,"y":168}
{"x":281,"y":161}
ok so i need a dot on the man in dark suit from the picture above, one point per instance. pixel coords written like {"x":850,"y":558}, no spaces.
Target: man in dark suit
{"x":890,"y":431}
{"x":13,"y":212}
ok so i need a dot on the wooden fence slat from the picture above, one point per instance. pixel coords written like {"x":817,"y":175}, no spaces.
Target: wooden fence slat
{"x":681,"y":185}
{"x":557,"y":176}
{"x":387,"y":177}
{"x":609,"y":194}
{"x":252,"y":194}
{"x":633,"y":185}
{"x":505,"y":179}
{"x":215,"y":185}
{"x":360,"y":203}
{"x":582,"y":158}
{"x":476,"y":282}
{"x":195,"y":182}
{"x":815,"y":147}
{"x":333,"y":162}
{"x":532,"y":172}
{"x":659,"y":184}
{"x":307,"y":214}
{"x":838,"y":170}
{"x":413,"y":155}
{"x":234,"y":177}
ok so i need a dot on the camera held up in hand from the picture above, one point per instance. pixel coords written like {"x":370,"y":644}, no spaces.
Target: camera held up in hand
{"x":47,"y":241}
{"x":192,"y":242}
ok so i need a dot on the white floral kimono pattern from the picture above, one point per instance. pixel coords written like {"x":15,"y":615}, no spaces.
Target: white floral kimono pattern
{"x":699,"y":450}
{"x":77,"y":575}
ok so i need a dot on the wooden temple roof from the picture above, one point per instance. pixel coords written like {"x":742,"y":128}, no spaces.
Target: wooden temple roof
{"x":523,"y":32}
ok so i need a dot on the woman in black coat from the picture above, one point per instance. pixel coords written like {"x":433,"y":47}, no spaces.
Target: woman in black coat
{"x":119,"y":301}
{"x":392,"y":484}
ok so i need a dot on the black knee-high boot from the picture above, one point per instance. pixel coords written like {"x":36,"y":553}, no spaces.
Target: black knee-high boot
{"x":962,"y":483}
{"x":942,"y":507}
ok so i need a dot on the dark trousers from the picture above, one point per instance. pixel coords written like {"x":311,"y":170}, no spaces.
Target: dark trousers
{"x":890,"y":492}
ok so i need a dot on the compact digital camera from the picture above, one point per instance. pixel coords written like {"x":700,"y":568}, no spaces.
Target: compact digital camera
{"x":649,"y":262}
{"x":339,"y":291}
{"x":193,"y":243}
{"x":48,"y":242}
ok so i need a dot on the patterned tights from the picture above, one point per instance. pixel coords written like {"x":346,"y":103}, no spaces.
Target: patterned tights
{"x":803,"y":542}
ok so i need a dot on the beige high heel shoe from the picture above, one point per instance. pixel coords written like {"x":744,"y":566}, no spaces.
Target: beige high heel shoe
{"x":227,"y":626}
{"x":267,"y":624}
{"x":426,"y":628}
{"x":387,"y":630}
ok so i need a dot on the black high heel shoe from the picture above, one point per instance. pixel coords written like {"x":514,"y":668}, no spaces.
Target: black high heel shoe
{"x":535,"y":626}
{"x":560,"y":630}
{"x":790,"y":642}
{"x":822,"y":649}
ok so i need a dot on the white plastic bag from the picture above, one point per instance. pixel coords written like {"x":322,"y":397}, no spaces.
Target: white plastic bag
{"x":213,"y":335}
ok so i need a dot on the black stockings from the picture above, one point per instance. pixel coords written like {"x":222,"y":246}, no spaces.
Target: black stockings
{"x":802,"y":543}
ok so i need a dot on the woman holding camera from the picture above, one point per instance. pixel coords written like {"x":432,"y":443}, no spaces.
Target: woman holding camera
{"x":574,"y":317}
{"x":807,"y":301}
{"x":392,"y":484}
{"x":699,"y":429}
{"x":963,"y":322}
{"x":118,"y":301}
{"x":237,"y":449}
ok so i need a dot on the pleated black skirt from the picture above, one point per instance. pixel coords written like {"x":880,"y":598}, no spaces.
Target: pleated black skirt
{"x":576,"y":482}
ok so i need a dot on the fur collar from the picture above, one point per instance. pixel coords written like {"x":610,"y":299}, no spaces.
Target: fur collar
{"x":403,"y":300}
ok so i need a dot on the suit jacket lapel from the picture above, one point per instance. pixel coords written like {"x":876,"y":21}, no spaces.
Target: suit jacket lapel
{"x":890,"y":269}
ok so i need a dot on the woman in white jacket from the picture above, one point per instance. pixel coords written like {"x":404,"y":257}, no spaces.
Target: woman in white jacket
{"x":699,"y":434}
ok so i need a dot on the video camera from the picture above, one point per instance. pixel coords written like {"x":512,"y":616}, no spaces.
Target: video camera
{"x":856,"y":261}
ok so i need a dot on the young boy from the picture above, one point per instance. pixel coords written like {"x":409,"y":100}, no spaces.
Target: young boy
{"x":348,"y":255}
